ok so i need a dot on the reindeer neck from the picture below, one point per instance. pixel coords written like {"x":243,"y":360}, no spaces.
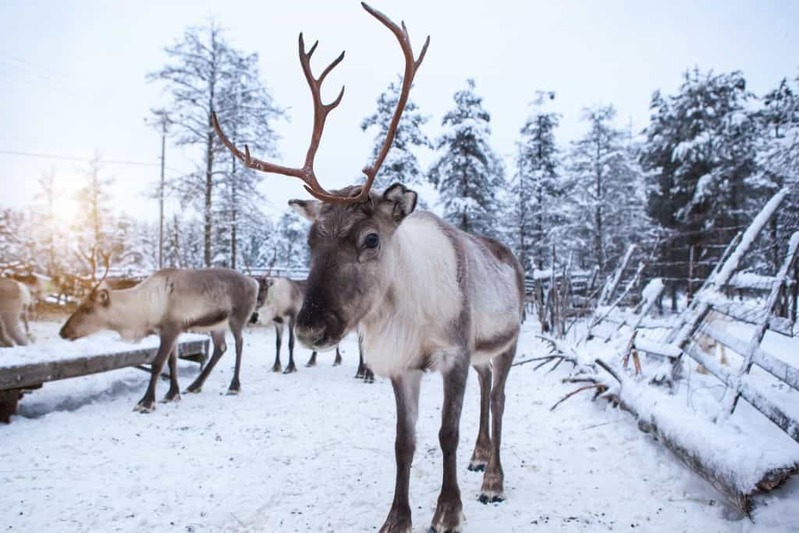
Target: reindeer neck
{"x":136,"y":310}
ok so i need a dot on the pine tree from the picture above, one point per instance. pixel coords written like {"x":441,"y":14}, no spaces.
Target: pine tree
{"x":700,"y":153}
{"x":401,"y":164}
{"x":535,"y":189}
{"x":605,"y":190}
{"x":778,"y":158}
{"x":206,"y":74}
{"x":468,"y":174}
{"x":48,"y":234}
{"x":93,"y":227}
{"x":290,"y":250}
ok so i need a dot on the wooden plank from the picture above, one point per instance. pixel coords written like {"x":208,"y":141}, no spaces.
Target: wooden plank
{"x":774,"y":366}
{"x":749,"y":392}
{"x":37,"y":373}
{"x":748,"y":314}
{"x":8,"y":404}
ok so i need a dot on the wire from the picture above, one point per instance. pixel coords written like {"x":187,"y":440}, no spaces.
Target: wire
{"x":84,"y":159}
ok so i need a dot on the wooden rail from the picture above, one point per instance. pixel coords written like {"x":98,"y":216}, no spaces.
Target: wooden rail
{"x":17,"y":378}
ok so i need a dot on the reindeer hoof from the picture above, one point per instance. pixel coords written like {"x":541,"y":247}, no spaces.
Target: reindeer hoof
{"x":496,"y":498}
{"x":171,"y":398}
{"x":144,"y":407}
{"x":476,"y":467}
{"x":310,"y":365}
{"x":290,"y":370}
{"x":233,"y":392}
{"x":277,"y":368}
{"x":194,"y":389}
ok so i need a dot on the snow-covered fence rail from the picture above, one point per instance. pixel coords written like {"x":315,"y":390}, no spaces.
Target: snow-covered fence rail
{"x":742,"y":457}
{"x":26,"y":368}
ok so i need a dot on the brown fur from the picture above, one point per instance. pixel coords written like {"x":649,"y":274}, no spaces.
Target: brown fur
{"x":12,"y":312}
{"x":170,"y":302}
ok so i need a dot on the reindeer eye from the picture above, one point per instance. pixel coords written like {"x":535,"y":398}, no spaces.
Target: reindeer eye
{"x":371,"y":240}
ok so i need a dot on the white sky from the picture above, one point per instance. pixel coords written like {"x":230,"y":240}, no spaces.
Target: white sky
{"x":73,"y":72}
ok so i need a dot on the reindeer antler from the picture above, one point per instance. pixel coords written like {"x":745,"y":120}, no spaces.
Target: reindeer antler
{"x":321,"y":110}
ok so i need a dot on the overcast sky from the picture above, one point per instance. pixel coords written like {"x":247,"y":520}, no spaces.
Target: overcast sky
{"x":72,"y":73}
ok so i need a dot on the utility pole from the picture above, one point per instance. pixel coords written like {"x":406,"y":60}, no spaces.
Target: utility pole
{"x":161,"y":119}
{"x":161,"y":196}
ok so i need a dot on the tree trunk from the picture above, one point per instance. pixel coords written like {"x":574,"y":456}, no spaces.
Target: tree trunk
{"x":209,"y":186}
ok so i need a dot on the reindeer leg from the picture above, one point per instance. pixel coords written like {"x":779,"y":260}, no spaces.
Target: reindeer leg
{"x":25,"y":318}
{"x":482,"y":447}
{"x":312,"y":361}
{"x":291,"y":368}
{"x":218,"y":338}
{"x":16,"y":333}
{"x":449,"y":510}
{"x":147,"y":403}
{"x":406,"y":393}
{"x":235,"y":385}
{"x":493,"y":479}
{"x":5,"y":340}
{"x":278,"y":341}
{"x":361,"y":372}
{"x":337,"y":361}
{"x":173,"y":394}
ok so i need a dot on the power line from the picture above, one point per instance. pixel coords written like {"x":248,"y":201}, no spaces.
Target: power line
{"x":82,"y":159}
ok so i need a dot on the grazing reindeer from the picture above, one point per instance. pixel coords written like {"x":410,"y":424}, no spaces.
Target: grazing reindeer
{"x":281,"y":301}
{"x":36,"y":288}
{"x":170,"y":302}
{"x":422,"y":294}
{"x":14,"y":300}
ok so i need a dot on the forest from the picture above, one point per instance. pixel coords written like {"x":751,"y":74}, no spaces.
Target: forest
{"x":680,"y":189}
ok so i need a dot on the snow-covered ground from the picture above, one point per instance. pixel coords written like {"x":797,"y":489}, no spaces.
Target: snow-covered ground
{"x":313,"y":451}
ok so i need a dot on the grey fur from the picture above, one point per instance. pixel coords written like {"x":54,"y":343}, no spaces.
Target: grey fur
{"x":342,"y":286}
{"x":283,"y":309}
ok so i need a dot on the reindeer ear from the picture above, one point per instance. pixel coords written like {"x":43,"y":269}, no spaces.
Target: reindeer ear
{"x":306,"y":208}
{"x":102,"y":297}
{"x":401,"y":200}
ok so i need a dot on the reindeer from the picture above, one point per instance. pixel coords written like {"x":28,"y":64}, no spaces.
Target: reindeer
{"x":37,"y":289}
{"x":170,"y":302}
{"x":281,"y":299}
{"x":422,"y":294}
{"x":14,"y":302}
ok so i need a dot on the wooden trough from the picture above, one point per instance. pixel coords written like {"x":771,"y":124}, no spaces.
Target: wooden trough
{"x":19,"y":377}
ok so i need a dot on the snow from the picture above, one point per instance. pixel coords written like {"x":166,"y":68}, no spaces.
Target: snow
{"x":54,"y":349}
{"x":313,"y":451}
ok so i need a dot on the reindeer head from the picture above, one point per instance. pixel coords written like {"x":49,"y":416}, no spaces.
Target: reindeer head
{"x":91,"y":316}
{"x":351,"y":254}
{"x":94,"y":312}
{"x":351,"y":227}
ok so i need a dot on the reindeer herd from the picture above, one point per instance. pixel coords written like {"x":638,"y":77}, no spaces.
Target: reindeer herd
{"x":420,"y":294}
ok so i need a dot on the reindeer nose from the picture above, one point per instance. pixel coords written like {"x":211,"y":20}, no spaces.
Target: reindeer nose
{"x":66,"y":333}
{"x":310,"y":336}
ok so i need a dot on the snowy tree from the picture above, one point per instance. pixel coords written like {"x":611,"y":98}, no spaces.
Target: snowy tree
{"x":778,"y":159}
{"x":93,"y":225}
{"x":49,"y":233}
{"x":206,"y":74}
{"x":535,"y":188}
{"x":605,"y":190}
{"x":183,"y":243}
{"x":468,"y":174}
{"x":257,"y":243}
{"x":401,"y":164}
{"x":290,"y":249}
{"x":700,"y":154}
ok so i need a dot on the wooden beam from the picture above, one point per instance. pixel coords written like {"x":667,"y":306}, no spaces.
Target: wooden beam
{"x":21,"y":376}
